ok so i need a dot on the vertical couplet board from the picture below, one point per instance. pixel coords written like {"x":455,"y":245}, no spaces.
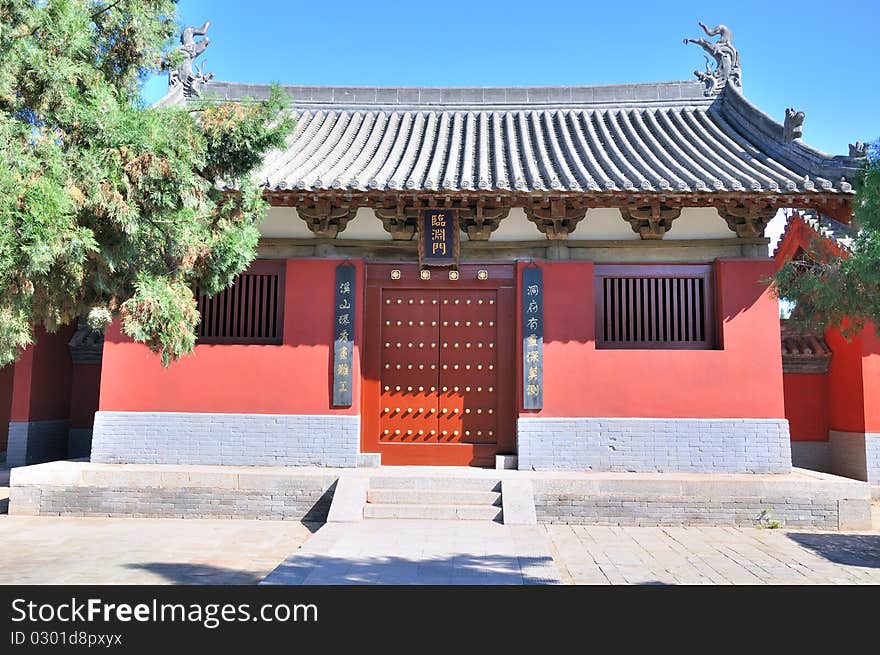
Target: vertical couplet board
{"x":343,"y":337}
{"x":533,"y":337}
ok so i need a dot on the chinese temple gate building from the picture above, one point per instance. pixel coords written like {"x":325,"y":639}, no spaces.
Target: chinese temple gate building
{"x":573,"y":275}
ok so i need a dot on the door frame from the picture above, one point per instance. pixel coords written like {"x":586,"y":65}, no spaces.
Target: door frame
{"x":501,"y":278}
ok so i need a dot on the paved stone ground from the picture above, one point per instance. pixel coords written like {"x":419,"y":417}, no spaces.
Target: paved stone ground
{"x":413,"y":552}
{"x":449,"y":552}
{"x":60,"y":550}
{"x":705,"y":555}
{"x":53,"y":550}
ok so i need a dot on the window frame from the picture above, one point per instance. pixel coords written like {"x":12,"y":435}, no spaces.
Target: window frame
{"x":258,"y":267}
{"x":704,"y":272}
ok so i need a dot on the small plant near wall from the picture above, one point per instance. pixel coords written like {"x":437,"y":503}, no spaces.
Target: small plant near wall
{"x":766,"y":520}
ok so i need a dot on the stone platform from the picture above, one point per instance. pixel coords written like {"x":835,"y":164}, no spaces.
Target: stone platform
{"x":802,"y":499}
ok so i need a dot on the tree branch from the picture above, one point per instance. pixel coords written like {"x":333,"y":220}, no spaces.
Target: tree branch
{"x":105,"y":9}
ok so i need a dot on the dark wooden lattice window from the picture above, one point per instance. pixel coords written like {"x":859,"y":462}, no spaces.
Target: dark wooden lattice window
{"x":251,"y":311}
{"x":655,"y":307}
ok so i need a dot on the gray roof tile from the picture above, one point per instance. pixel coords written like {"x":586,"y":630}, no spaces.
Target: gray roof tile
{"x":650,"y":137}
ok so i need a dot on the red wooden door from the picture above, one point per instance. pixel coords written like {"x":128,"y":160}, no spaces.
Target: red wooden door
{"x":433,"y":393}
{"x":468,"y":366}
{"x":409,"y":367}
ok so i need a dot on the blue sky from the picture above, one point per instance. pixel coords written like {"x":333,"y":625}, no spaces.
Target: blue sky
{"x":819,"y":57}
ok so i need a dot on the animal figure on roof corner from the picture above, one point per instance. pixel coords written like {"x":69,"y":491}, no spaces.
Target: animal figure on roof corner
{"x":726,"y":56}
{"x":192,"y":78}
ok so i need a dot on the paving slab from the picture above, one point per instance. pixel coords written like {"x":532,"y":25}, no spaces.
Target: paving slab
{"x":417,"y":552}
{"x":707,"y":555}
{"x":62,"y":550}
{"x":67,"y":550}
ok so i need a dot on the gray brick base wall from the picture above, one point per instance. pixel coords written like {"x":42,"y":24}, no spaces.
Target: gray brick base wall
{"x":801,"y":499}
{"x":36,"y":441}
{"x":580,"y":505}
{"x":855,"y":455}
{"x":230,"y":439}
{"x":79,"y":443}
{"x":649,"y":444}
{"x":872,"y":457}
{"x":813,"y":455}
{"x":306,"y":499}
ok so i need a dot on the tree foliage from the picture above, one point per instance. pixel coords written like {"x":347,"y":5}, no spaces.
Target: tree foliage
{"x":841,"y":289}
{"x":108,"y":208}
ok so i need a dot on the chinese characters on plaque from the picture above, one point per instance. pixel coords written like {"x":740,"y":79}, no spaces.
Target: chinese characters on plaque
{"x":343,"y":335}
{"x":533,"y":338}
{"x":438,"y":238}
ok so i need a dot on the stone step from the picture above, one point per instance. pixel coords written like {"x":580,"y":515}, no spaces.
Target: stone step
{"x":433,"y":497}
{"x":432,"y":512}
{"x":435,"y":483}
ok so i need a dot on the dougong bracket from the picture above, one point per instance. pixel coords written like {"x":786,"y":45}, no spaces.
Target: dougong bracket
{"x":326,"y":220}
{"x":651,"y":221}
{"x":748,"y":219}
{"x":399,"y":221}
{"x":480,"y":221}
{"x":556,"y":218}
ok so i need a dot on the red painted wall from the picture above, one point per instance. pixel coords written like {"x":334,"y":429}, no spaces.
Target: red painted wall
{"x":293,"y":378}
{"x":744,"y":379}
{"x":846,"y":396}
{"x":854,"y":381}
{"x":41,"y":385}
{"x":7,"y":374}
{"x":871,"y":377}
{"x":806,"y":405}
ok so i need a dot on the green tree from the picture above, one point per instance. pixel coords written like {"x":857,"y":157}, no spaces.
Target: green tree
{"x":841,"y":289}
{"x":109,"y":208}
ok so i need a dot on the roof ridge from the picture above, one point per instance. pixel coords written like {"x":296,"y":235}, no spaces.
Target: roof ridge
{"x":639,"y":93}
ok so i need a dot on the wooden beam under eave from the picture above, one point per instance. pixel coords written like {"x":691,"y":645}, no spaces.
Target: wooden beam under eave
{"x":819,"y":201}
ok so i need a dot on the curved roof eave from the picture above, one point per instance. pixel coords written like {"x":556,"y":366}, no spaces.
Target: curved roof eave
{"x":647,"y":137}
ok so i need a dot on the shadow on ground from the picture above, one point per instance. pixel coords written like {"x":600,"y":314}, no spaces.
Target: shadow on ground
{"x":849,"y":549}
{"x":311,"y":569}
{"x":197,"y":574}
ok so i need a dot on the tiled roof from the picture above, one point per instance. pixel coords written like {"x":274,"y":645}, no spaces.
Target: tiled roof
{"x":826,"y":226}
{"x":804,"y":353}
{"x":645,"y":137}
{"x":840,"y":233}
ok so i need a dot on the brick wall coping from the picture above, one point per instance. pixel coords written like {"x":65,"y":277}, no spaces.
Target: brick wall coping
{"x":798,"y":483}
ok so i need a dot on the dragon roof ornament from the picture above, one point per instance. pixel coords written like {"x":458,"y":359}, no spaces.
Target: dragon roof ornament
{"x":727,"y":67}
{"x":187,"y":76}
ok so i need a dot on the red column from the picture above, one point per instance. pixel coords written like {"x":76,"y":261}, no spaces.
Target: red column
{"x":7,"y":374}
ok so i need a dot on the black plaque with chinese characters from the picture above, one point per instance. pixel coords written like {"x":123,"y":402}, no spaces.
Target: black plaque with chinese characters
{"x":533,"y":338}
{"x":438,"y":238}
{"x":343,"y":337}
